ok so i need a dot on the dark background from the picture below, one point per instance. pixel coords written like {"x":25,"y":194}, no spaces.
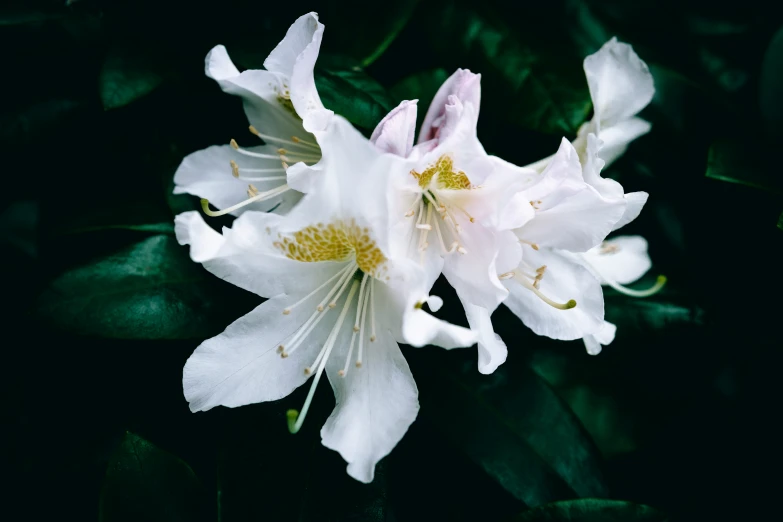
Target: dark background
{"x":102,"y":99}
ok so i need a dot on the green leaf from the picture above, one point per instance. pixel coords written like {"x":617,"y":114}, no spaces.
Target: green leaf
{"x":515,"y":427}
{"x":742,"y":162}
{"x":592,"y":510}
{"x":149,"y":290}
{"x":529,"y":86}
{"x":780,"y":221}
{"x":366,"y":40}
{"x":646,"y":315}
{"x":350,"y":92}
{"x":126,"y":76}
{"x":146,"y":483}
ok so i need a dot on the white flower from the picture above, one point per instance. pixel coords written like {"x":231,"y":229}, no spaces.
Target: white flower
{"x":620,"y":86}
{"x":617,"y":262}
{"x":550,"y":290}
{"x":283,"y":108}
{"x":339,"y":301}
{"x":454,"y":206}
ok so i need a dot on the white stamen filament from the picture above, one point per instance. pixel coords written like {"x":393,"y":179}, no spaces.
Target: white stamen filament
{"x":358,"y":325}
{"x":294,"y":141}
{"x":534,"y":246}
{"x":527,"y":284}
{"x":316,"y":317}
{"x":269,"y":194}
{"x":372,"y":310}
{"x":287,"y":311}
{"x":660,"y":282}
{"x":295,"y":418}
{"x":365,"y":305}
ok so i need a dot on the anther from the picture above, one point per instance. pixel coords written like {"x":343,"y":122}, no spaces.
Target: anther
{"x":283,"y":354}
{"x":332,"y":304}
{"x":282,"y":151}
{"x":320,"y":308}
{"x":372,"y":338}
{"x":280,"y":348}
{"x":462,"y":250}
{"x":358,"y":364}
{"x":295,"y":139}
{"x":341,"y":373}
{"x":409,"y":213}
{"x":286,"y":311}
{"x":308,"y":371}
{"x":356,"y":328}
{"x":507,"y":275}
{"x":233,"y":144}
{"x":234,"y":169}
{"x":252,"y":191}
{"x":253,"y":130}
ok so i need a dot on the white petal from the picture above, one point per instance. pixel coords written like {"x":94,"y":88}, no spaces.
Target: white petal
{"x":241,"y":365}
{"x":561,"y":178}
{"x":591,"y":170}
{"x":208,"y":174}
{"x":394,"y":134}
{"x":576,"y":224}
{"x":617,"y":137}
{"x":592,"y":346}
{"x":260,"y":92}
{"x":294,"y":58}
{"x":623,"y":259}
{"x":375,"y":405}
{"x":461,"y":88}
{"x":245,"y":257}
{"x":564,"y":279}
{"x":620,"y":83}
{"x":605,"y":335}
{"x":492,"y":351}
{"x":634,"y":202}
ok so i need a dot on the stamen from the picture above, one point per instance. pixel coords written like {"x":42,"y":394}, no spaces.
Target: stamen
{"x":316,"y":317}
{"x":560,"y":306}
{"x":654,"y":289}
{"x":259,"y":197}
{"x":294,"y":140}
{"x":440,"y":236}
{"x":296,"y":419}
{"x":361,"y":310}
{"x":507,"y":275}
{"x":251,"y":153}
{"x":424,"y":226}
{"x":287,"y":311}
{"x":372,"y":310}
{"x":234,"y":169}
{"x":534,"y":246}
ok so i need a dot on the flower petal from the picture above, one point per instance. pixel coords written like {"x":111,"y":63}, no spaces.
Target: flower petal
{"x":208,"y":174}
{"x":294,"y":59}
{"x":634,"y":202}
{"x":564,"y":279}
{"x":460,"y":88}
{"x":576,"y":224}
{"x":261,"y":95}
{"x":561,"y":178}
{"x":245,"y":257}
{"x":617,"y":137}
{"x":604,"y":336}
{"x":623,"y":259}
{"x":375,"y":405}
{"x":620,"y":83}
{"x":492,"y":351}
{"x":394,"y":134}
{"x":242,"y":366}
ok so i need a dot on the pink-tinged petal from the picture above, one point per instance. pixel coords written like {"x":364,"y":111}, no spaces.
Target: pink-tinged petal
{"x":394,"y":134}
{"x":462,"y":87}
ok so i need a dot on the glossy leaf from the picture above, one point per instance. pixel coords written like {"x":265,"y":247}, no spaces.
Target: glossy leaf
{"x":143,"y":482}
{"x":529,"y":87}
{"x":592,"y":510}
{"x":149,"y":290}
{"x":639,"y":316}
{"x":350,"y":92}
{"x":126,"y":76}
{"x":742,"y":163}
{"x":515,"y":427}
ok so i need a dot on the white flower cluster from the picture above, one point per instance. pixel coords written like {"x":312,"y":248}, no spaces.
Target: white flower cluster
{"x":345,"y":236}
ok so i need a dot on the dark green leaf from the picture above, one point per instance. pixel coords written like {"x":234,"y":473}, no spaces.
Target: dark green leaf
{"x":528,"y":86}
{"x":146,"y":483}
{"x":515,"y":427}
{"x":780,"y":221}
{"x":743,"y":163}
{"x":351,"y":93}
{"x":363,"y":30}
{"x":771,"y":84}
{"x":592,"y":510}
{"x":646,"y":315}
{"x":150,"y":290}
{"x":126,"y":76}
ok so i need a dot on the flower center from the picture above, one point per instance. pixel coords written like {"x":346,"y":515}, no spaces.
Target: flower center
{"x":439,"y":183}
{"x":292,"y":150}
{"x":336,"y":241}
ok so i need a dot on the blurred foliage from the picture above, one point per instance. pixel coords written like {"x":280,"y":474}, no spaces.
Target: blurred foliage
{"x":674,"y":420}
